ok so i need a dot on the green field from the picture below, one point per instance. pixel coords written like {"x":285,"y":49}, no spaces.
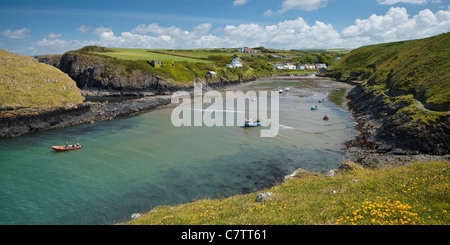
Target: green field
{"x":145,"y":54}
{"x":194,"y":64}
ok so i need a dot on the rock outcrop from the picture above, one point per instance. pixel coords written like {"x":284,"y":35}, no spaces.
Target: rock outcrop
{"x":95,"y":77}
{"x":102,"y":77}
{"x":16,"y":122}
{"x":386,"y":128}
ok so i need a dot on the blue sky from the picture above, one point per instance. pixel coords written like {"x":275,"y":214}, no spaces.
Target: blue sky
{"x":31,"y":27}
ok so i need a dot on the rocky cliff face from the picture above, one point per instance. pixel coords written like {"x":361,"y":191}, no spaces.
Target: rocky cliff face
{"x":95,"y":77}
{"x":99,"y":76}
{"x":386,"y":128}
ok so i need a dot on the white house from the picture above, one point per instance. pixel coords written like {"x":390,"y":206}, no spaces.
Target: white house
{"x":286,"y":66}
{"x":310,"y":66}
{"x":235,"y":63}
{"x":289,"y":66}
{"x":212,"y":74}
{"x":318,"y":66}
{"x":301,"y":67}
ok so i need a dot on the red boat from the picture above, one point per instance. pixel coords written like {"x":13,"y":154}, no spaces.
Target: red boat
{"x":326,"y":118}
{"x":66,"y":147}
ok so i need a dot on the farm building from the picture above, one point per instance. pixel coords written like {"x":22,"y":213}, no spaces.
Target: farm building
{"x":248,"y":50}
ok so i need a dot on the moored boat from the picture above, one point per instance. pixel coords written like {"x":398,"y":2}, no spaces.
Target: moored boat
{"x":326,"y":117}
{"x":249,"y":123}
{"x":314,"y":108}
{"x":67,"y":147}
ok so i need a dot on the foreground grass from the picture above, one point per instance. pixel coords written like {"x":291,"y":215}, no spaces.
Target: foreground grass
{"x":414,"y":194}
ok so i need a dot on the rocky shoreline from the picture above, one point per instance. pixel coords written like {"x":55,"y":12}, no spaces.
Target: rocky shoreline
{"x":16,"y":122}
{"x":387,"y":137}
{"x":384,"y":136}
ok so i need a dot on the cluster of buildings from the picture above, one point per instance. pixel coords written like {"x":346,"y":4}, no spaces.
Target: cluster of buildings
{"x":248,"y":50}
{"x":290,"y":66}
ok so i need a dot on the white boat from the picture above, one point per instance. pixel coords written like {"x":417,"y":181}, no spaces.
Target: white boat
{"x":249,"y":123}
{"x":281,"y":91}
{"x":287,"y":89}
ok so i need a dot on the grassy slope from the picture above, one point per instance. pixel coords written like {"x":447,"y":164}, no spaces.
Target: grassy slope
{"x":25,"y":82}
{"x":417,"y":67}
{"x":414,"y":194}
{"x":143,"y":54}
{"x":129,"y":60}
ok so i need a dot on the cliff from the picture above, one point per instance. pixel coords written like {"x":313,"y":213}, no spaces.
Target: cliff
{"x":401,"y":98}
{"x":417,"y":67}
{"x":396,"y":125}
{"x":100,"y":75}
{"x":95,"y":76}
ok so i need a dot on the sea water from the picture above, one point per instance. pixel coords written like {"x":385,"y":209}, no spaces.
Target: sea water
{"x":132,"y":165}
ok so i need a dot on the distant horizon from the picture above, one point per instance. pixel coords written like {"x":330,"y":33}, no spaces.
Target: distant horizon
{"x":33,"y":28}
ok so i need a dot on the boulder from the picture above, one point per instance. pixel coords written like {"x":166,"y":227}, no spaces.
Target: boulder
{"x":349,"y":166}
{"x":264,"y":196}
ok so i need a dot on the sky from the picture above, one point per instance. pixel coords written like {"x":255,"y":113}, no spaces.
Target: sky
{"x":30,"y":27}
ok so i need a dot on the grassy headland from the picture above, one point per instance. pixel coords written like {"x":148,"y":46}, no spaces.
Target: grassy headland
{"x":186,"y":66}
{"x":417,"y":193}
{"x":24,"y":82}
{"x":420,"y":68}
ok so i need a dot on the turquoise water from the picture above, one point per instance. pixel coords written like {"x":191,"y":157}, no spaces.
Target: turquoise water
{"x":132,"y":165}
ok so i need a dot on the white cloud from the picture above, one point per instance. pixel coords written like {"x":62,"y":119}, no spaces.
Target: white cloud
{"x":239,"y":2}
{"x":54,"y":35}
{"x":16,"y":34}
{"x":268,"y":13}
{"x":395,"y":25}
{"x":101,"y":30}
{"x":203,"y":28}
{"x":307,"y":5}
{"x":84,"y":28}
{"x":392,"y":2}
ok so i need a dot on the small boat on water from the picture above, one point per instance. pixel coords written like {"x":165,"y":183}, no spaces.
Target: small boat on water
{"x":322,"y":100}
{"x":281,"y":91}
{"x":287,"y":89}
{"x":314,"y":108}
{"x":326,"y":117}
{"x":249,"y":123}
{"x":67,"y":147}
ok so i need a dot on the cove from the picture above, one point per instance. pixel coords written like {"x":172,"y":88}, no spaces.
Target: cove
{"x":135,"y":164}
